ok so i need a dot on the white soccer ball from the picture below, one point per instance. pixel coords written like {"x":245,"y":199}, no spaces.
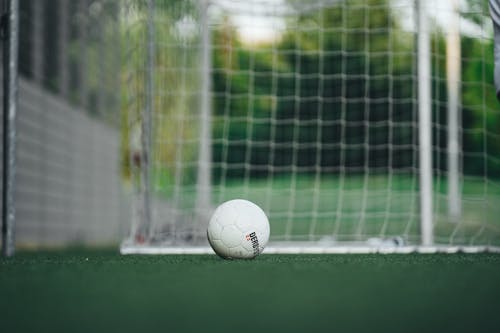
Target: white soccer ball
{"x":238,"y":229}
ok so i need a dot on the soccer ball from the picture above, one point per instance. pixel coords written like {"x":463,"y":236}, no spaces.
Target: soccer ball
{"x":238,"y":229}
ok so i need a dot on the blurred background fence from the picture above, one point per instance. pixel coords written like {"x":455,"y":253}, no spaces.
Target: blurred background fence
{"x":69,"y":189}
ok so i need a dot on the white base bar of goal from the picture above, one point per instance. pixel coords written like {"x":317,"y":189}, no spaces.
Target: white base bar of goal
{"x":304,"y":249}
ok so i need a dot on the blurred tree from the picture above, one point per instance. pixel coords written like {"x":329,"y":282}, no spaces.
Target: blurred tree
{"x":335,"y":89}
{"x":338,"y":89}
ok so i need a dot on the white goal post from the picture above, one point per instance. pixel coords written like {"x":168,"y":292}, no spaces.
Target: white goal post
{"x":364,"y":126}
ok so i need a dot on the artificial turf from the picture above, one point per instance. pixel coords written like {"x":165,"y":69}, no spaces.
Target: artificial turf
{"x":101,"y":291}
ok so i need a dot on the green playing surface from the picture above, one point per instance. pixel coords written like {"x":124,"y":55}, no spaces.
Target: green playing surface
{"x":101,"y":291}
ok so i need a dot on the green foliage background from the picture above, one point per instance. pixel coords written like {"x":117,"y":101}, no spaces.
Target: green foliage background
{"x":329,"y":94}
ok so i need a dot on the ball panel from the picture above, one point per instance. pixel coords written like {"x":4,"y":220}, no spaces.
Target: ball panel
{"x":219,"y":248}
{"x":263,"y":234}
{"x":231,"y":236}
{"x":244,"y":222}
{"x":226,"y":214}
{"x":241,"y":252}
{"x":214,"y":229}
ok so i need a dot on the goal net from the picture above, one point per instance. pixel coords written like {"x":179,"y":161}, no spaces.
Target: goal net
{"x":367,"y":124}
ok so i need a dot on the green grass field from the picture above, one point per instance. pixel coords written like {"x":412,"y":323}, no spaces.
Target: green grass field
{"x":101,"y":291}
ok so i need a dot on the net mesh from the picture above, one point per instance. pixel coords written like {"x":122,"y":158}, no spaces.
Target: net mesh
{"x":313,"y":115}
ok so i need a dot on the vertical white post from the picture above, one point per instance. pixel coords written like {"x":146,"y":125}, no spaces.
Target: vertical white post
{"x":453,"y":74}
{"x":10,"y":50}
{"x":425,"y":124}
{"x":144,"y":228}
{"x":205,"y":148}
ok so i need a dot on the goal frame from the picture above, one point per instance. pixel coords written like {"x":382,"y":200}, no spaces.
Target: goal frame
{"x":425,"y":173}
